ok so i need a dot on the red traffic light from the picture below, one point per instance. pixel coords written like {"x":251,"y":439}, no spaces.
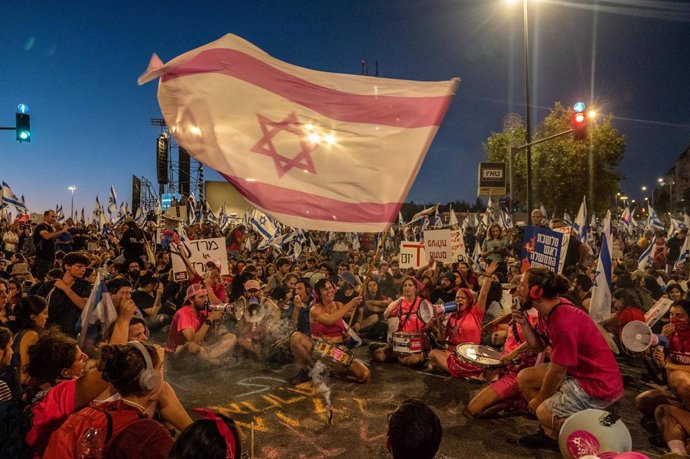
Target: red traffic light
{"x":579,"y":124}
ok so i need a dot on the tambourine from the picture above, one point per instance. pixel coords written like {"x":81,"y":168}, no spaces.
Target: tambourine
{"x":479,"y":355}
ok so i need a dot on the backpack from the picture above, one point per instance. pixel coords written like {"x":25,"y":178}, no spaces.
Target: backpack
{"x":112,"y":417}
{"x":16,"y":420}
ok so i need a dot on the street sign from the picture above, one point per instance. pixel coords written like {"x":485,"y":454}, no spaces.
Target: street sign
{"x":491,"y":179}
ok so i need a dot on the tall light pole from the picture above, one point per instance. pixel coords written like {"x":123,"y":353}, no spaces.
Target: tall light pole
{"x":72,"y":188}
{"x":528,"y":136}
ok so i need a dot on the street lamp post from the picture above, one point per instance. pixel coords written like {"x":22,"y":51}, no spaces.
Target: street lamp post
{"x":72,"y":188}
{"x":528,"y":136}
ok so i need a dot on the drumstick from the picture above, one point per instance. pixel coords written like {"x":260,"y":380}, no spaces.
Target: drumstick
{"x":497,"y":320}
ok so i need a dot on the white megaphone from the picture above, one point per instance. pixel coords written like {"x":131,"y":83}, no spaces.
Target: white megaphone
{"x":637,"y":336}
{"x":593,"y":432}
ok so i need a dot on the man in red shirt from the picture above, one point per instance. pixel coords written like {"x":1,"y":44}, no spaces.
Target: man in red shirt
{"x":191,"y":336}
{"x":583,"y":372}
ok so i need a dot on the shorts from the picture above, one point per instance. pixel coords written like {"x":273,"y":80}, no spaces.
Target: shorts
{"x":506,"y":386}
{"x":571,"y":398}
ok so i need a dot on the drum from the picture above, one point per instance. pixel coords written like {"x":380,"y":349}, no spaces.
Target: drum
{"x":407,"y":343}
{"x":479,"y":355}
{"x":332,"y":355}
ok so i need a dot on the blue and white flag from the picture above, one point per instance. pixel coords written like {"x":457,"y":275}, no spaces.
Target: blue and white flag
{"x":99,"y":308}
{"x":58,"y":213}
{"x":653,"y":220}
{"x":567,"y":221}
{"x":684,"y":253}
{"x":438,"y":223}
{"x":401,"y":221}
{"x":424,"y":213}
{"x":476,"y":256}
{"x":506,"y":219}
{"x":580,"y":223}
{"x":263,"y":225}
{"x":600,"y":304}
{"x":112,"y":201}
{"x":647,"y":256}
{"x":9,"y":198}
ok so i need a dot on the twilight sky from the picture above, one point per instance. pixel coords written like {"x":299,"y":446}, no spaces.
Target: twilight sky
{"x":75,"y":63}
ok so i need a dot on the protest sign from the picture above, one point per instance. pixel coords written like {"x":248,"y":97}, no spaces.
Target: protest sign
{"x":543,"y":248}
{"x":657,"y":311}
{"x":437,"y":245}
{"x":411,"y":254}
{"x":457,"y":246}
{"x":200,"y":252}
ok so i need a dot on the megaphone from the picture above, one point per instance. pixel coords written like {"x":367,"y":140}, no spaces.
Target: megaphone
{"x":593,"y":432}
{"x":637,"y":336}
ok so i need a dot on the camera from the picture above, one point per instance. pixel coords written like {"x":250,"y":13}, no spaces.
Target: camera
{"x":223,"y":307}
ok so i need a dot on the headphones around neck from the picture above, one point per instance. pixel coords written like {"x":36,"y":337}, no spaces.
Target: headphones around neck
{"x":537,"y":290}
{"x":148,"y":377}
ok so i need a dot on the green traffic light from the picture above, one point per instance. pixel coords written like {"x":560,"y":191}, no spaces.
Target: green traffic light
{"x":23,"y":135}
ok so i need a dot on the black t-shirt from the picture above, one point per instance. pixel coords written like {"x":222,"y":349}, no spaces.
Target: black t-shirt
{"x":143,"y":301}
{"x":61,"y":311}
{"x":132,"y":243}
{"x":341,"y":297}
{"x":442,"y":295}
{"x":79,"y":239}
{"x":45,"y":248}
{"x":674,"y":245}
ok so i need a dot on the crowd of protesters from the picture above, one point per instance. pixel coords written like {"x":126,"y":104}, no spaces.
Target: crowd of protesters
{"x":288,"y":304}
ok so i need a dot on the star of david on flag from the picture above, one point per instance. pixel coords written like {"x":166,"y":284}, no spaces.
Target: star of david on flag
{"x":315,"y":150}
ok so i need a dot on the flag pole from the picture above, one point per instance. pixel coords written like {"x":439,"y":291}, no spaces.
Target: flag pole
{"x":363,"y":287}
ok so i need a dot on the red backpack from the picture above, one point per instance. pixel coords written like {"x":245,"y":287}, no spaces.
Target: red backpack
{"x":112,"y":417}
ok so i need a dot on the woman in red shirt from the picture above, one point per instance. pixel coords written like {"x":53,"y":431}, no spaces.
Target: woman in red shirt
{"x":463,"y":326}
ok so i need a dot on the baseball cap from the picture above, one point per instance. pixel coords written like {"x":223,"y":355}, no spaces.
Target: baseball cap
{"x":194,"y":290}
{"x":213,"y":264}
{"x":252,"y":284}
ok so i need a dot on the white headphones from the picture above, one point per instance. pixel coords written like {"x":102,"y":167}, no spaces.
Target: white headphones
{"x":148,"y":377}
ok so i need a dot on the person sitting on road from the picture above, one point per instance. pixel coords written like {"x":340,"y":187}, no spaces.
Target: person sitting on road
{"x":258,"y":320}
{"x":189,"y":340}
{"x":58,"y":384}
{"x":327,"y":324}
{"x":413,"y":314}
{"x":135,"y":373}
{"x":463,"y":326}
{"x":676,"y":364}
{"x":414,"y":431}
{"x":213,"y":437}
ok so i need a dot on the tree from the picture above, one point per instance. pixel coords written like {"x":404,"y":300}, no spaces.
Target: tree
{"x":560,"y":167}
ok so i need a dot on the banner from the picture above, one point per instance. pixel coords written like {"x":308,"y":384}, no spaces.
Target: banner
{"x":543,"y":248}
{"x":200,"y":252}
{"x":657,"y":311}
{"x":412,"y":255}
{"x":445,"y":246}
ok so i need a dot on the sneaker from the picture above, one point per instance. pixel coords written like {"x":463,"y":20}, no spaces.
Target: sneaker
{"x":301,"y":377}
{"x":538,"y":440}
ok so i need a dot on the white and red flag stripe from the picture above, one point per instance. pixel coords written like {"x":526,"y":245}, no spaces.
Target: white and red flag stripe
{"x":316,"y":150}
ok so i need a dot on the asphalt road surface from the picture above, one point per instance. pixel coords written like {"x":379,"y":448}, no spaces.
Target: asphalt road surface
{"x":292,"y":421}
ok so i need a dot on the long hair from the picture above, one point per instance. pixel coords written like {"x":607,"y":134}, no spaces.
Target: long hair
{"x":32,"y":305}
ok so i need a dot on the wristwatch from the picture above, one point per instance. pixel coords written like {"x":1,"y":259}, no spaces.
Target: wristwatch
{"x":208,"y":322}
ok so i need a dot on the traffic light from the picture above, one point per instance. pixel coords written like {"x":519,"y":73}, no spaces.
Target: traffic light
{"x":578,"y":121}
{"x":23,"y":127}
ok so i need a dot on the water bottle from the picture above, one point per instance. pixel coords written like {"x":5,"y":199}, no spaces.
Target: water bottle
{"x":91,"y":444}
